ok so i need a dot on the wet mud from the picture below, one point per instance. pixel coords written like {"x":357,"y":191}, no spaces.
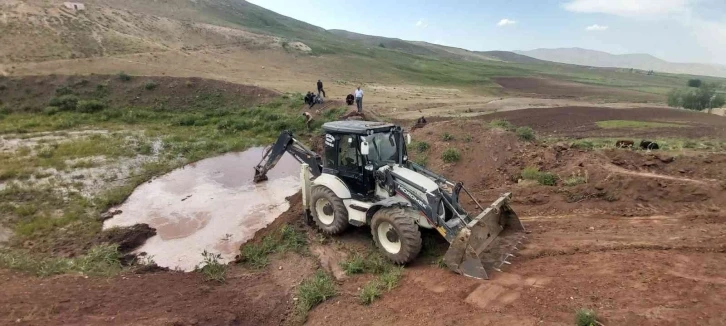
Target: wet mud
{"x":210,"y":205}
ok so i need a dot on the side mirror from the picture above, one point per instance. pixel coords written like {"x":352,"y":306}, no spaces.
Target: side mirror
{"x":408,"y":139}
{"x":364,"y":149}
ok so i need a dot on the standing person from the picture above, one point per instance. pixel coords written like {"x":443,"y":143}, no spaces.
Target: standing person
{"x":320,"y":88}
{"x":359,"y":99}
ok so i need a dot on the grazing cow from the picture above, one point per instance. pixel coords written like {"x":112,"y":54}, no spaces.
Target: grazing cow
{"x":349,"y":99}
{"x":649,"y":145}
{"x":624,"y":144}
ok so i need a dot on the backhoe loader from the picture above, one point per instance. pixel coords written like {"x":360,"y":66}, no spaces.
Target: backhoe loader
{"x":364,"y":177}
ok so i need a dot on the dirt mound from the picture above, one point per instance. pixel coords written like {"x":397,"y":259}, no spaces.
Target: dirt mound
{"x":581,"y":122}
{"x":620,"y":182}
{"x":33,"y":93}
{"x":127,"y":238}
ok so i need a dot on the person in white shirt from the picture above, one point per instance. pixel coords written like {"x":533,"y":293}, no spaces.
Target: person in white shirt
{"x":359,"y":99}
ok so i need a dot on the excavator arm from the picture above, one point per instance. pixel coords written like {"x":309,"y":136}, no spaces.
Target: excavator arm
{"x":287,"y":143}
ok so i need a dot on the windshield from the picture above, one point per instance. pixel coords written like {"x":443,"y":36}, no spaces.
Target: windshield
{"x":383,"y":148}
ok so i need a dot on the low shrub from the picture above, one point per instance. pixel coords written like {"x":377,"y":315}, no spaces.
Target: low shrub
{"x":525,"y":133}
{"x":451,"y":155}
{"x":90,"y":106}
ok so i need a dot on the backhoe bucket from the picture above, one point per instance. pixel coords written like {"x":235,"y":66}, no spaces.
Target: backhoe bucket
{"x":486,"y":243}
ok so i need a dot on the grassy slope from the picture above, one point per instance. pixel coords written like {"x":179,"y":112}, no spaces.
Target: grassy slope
{"x":362,"y":58}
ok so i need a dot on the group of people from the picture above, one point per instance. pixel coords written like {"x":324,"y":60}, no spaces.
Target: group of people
{"x":311,"y":98}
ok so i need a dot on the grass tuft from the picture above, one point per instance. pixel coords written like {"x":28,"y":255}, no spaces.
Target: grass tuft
{"x":451,"y":155}
{"x":314,"y":291}
{"x":526,"y":133}
{"x":503,"y":124}
{"x":585,"y":317}
{"x":370,"y":292}
{"x":102,"y":260}
{"x":543,"y":178}
{"x":447,"y":137}
{"x":287,"y":239}
{"x":212,"y":269}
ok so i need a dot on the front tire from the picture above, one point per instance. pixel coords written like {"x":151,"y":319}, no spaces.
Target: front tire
{"x":329,"y":212}
{"x":396,"y":234}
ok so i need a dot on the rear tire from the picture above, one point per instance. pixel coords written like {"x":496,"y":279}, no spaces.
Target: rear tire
{"x":329,"y":212}
{"x":396,"y":234}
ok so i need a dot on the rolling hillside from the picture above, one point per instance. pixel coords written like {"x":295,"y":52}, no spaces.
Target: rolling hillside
{"x":641,"y":61}
{"x":210,"y":36}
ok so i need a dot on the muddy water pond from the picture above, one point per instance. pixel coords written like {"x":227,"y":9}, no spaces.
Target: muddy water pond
{"x":210,"y":205}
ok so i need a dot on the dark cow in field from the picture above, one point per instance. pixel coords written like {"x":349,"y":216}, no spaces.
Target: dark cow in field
{"x":624,"y":144}
{"x":649,"y":145}
{"x":349,"y":99}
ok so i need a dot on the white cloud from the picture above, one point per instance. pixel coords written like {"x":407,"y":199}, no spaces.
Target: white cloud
{"x":629,"y":8}
{"x":596,"y":28}
{"x":505,"y":22}
{"x":422,"y":23}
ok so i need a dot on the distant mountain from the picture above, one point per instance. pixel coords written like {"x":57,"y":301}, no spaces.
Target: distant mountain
{"x":585,"y":57}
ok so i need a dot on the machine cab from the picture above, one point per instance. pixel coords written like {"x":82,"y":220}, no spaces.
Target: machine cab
{"x":354,"y":150}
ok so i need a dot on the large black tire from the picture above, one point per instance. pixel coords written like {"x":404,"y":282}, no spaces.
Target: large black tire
{"x":331,"y":216}
{"x":406,"y":237}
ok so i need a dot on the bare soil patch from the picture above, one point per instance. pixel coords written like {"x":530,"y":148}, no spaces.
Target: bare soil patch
{"x":581,"y":122}
{"x":33,"y":93}
{"x":552,"y":88}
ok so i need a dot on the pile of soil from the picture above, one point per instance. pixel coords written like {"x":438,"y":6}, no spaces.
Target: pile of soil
{"x":622,"y":182}
{"x":127,"y":238}
{"x":33,"y":93}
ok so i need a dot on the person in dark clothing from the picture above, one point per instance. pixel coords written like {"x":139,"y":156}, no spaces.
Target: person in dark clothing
{"x":320,"y":88}
{"x":349,"y":99}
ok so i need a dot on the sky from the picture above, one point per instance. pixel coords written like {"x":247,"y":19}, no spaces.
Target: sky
{"x":674,"y":30}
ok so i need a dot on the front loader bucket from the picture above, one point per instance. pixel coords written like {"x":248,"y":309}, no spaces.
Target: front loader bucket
{"x":486,"y":243}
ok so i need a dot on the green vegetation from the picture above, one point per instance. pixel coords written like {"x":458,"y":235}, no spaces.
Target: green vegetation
{"x":525,"y":133}
{"x":543,"y":178}
{"x":447,"y":137}
{"x":503,"y":124}
{"x":288,"y":238}
{"x":451,"y":155}
{"x":103,"y":260}
{"x":354,"y":265}
{"x":212,"y":269}
{"x":388,"y":275}
{"x":585,"y":317}
{"x":577,"y":178}
{"x":151,"y":85}
{"x":90,"y":106}
{"x":632,"y":124}
{"x":124,"y":76}
{"x":421,"y":160}
{"x":467,"y":139}
{"x":370,"y":292}
{"x":694,"y":83}
{"x":59,"y":207}
{"x":421,"y":146}
{"x":704,"y":97}
{"x":313,"y":291}
{"x":66,"y":102}
{"x":583,"y":144}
